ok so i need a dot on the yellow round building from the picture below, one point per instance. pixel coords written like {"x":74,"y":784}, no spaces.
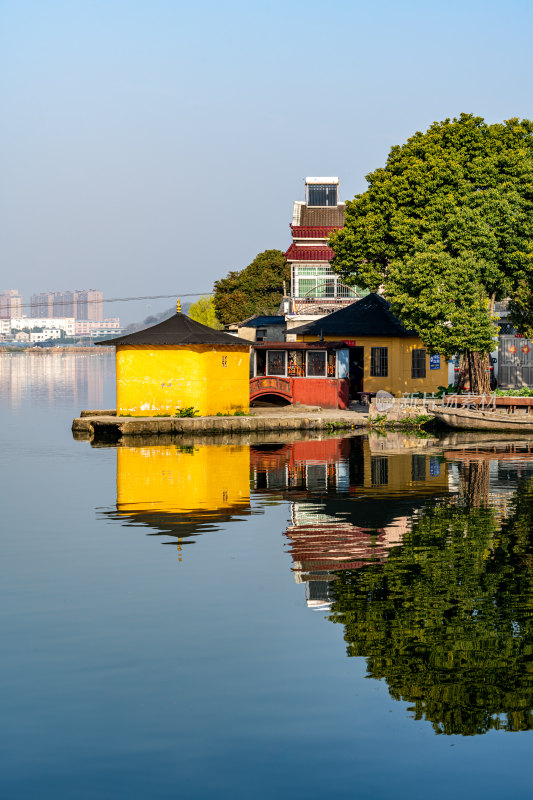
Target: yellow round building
{"x":179,"y":364}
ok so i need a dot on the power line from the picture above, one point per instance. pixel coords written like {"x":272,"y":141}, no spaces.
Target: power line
{"x":43,"y":304}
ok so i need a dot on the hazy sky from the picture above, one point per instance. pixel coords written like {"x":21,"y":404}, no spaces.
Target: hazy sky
{"x":150,"y":146}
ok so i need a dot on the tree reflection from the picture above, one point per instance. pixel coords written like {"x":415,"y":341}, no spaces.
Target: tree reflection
{"x":447,"y":619}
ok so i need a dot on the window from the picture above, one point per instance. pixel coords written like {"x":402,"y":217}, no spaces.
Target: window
{"x":379,"y":470}
{"x":322,"y":194}
{"x":260,"y":362}
{"x":260,"y":335}
{"x":379,"y":362}
{"x":418,"y":468}
{"x":306,"y":287}
{"x":317,"y":478}
{"x":418,"y":364}
{"x":325,"y":287}
{"x":316,"y":363}
{"x":296,"y":366}
{"x":276,"y":362}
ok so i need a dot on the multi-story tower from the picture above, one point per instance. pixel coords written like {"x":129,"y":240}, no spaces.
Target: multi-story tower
{"x":90,"y":304}
{"x":10,"y":303}
{"x":65,"y":304}
{"x":42,"y":304}
{"x":315,"y":287}
{"x":84,"y":304}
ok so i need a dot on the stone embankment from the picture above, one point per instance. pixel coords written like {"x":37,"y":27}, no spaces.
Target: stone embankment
{"x":106,"y":425}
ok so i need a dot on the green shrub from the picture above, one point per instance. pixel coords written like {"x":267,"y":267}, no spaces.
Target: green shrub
{"x":188,"y":411}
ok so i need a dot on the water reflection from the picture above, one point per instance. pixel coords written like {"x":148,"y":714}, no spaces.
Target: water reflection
{"x":49,"y":374}
{"x":447,"y":619}
{"x":352,"y":500}
{"x":181,"y":490}
{"x":422,"y":551}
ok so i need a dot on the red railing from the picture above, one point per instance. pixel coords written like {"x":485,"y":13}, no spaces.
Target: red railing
{"x":269,"y":384}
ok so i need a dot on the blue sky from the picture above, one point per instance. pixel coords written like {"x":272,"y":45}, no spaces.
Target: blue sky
{"x":150,"y":147}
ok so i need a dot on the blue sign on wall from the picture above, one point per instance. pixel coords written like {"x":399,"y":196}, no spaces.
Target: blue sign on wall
{"x":434,"y":362}
{"x":434,"y":467}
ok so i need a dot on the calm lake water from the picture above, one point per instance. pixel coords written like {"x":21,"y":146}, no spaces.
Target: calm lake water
{"x":348,"y":617}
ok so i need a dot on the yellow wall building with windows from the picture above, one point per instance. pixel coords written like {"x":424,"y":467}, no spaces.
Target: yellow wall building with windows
{"x":369,"y":323}
{"x":180,"y":364}
{"x":399,"y":373}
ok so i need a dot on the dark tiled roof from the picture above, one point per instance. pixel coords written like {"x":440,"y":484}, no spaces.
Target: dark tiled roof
{"x":258,"y":322}
{"x":177,"y":330}
{"x":295,"y":253}
{"x":370,"y":316}
{"x":313,"y":231}
{"x":311,"y":216}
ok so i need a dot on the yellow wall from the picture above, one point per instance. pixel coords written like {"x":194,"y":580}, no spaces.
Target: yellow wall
{"x":203,"y":480}
{"x":400,"y":474}
{"x":159,"y":380}
{"x":399,"y":379}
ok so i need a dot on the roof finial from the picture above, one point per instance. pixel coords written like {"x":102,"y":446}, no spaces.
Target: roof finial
{"x":178,"y":306}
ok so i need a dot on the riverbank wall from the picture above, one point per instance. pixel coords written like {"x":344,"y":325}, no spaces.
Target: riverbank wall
{"x":97,"y":424}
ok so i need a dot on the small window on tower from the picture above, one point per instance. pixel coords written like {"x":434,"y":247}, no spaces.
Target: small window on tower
{"x":224,"y":361}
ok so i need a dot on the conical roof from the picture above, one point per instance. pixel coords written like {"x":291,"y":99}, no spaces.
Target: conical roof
{"x":370,"y":316}
{"x":178,"y":330}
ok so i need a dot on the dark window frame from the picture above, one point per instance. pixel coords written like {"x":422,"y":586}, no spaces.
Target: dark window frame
{"x":418,"y":363}
{"x":379,"y":362}
{"x":322,"y":195}
{"x":323,"y":357}
{"x":282,"y":355}
{"x":379,"y":470}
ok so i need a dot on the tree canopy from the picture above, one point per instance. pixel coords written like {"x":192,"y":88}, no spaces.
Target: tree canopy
{"x":204,"y":311}
{"x":256,"y":289}
{"x":446,"y":227}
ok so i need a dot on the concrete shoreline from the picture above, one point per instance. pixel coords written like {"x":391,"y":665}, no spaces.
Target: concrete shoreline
{"x":106,"y":425}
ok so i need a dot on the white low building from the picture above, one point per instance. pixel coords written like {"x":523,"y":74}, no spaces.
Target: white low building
{"x":45,"y":336}
{"x":66,"y":324}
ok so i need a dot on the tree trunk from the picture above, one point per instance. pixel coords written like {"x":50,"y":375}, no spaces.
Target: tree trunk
{"x":474,"y":372}
{"x":476,"y":483}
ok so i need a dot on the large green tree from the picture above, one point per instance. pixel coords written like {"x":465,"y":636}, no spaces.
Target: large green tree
{"x":256,"y":289}
{"x":446,"y":228}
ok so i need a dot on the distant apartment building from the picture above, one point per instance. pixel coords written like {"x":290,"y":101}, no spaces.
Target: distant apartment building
{"x":66,"y":324}
{"x":45,"y":336}
{"x":315,"y":287}
{"x":5,"y":325}
{"x":83,"y":304}
{"x":97,"y":327}
{"x":90,"y":304}
{"x":42,"y":305}
{"x":10,"y":303}
{"x":65,"y":304}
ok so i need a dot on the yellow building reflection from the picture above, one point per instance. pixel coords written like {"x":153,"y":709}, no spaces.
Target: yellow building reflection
{"x":179,"y":491}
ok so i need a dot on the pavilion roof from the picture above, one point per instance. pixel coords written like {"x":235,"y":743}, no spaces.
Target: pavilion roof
{"x":177,"y":330}
{"x":370,"y":316}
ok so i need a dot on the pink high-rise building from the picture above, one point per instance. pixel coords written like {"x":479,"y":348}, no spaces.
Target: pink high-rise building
{"x":10,"y":303}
